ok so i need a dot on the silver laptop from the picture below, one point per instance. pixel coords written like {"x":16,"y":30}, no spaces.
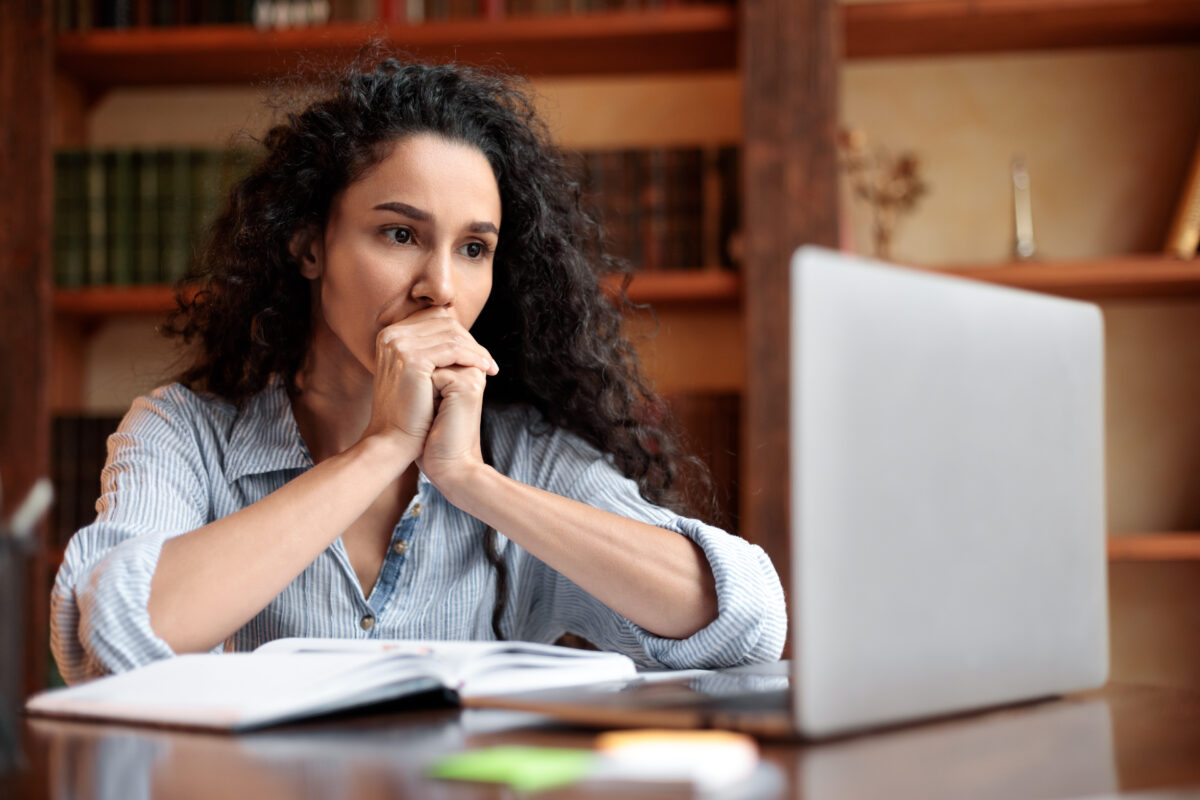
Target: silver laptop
{"x":947,"y":488}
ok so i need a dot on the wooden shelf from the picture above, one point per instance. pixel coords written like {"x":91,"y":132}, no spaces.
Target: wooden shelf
{"x":677,"y":39}
{"x":944,"y":27}
{"x":1124,"y":277}
{"x":1154,"y":547}
{"x":684,"y":38}
{"x":684,"y":287}
{"x":103,"y":301}
{"x":1127,"y":277}
{"x":659,"y":288}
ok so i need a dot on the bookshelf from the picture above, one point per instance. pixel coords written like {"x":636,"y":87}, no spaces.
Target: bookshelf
{"x":758,"y":40}
{"x":659,"y":288}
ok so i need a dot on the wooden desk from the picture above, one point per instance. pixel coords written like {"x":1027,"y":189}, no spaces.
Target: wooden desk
{"x":1122,"y":739}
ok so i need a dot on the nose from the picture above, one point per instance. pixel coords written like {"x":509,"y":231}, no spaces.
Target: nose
{"x":434,"y":284}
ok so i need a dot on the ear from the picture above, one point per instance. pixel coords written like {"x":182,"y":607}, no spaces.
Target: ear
{"x":309,"y":251}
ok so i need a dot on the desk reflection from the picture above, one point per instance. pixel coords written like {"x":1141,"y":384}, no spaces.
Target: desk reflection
{"x":371,"y":760}
{"x":1049,"y":750}
{"x":1057,"y":749}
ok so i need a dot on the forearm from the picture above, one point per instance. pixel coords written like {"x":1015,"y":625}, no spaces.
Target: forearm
{"x":656,"y":578}
{"x":210,"y":582}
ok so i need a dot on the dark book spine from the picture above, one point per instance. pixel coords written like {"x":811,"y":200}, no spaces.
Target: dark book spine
{"x":684,"y":178}
{"x":165,"y":13}
{"x":85,"y":478}
{"x":206,"y":178}
{"x":731,"y":207}
{"x":62,"y":201}
{"x":176,"y":221}
{"x":631,"y":209}
{"x":77,"y":221}
{"x":122,"y":203}
{"x":614,"y":167}
{"x":149,"y":201}
{"x":63,"y":461}
{"x":652,"y":208}
{"x":97,"y":217}
{"x":710,"y":212}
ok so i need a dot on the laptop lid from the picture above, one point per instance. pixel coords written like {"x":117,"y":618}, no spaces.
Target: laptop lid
{"x":947,"y":487}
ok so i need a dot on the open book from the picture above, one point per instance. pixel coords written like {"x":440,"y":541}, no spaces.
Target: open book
{"x":290,"y":679}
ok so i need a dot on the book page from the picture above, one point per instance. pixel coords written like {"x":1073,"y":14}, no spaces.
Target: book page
{"x":482,"y":668}
{"x":228,"y":690}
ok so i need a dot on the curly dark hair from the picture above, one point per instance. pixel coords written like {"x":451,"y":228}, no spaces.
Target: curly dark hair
{"x":548,"y":320}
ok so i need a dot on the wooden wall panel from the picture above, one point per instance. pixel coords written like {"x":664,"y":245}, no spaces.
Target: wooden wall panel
{"x":25,"y":270}
{"x":789,"y":54}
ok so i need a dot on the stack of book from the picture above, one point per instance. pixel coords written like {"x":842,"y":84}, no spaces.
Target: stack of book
{"x":125,"y":216}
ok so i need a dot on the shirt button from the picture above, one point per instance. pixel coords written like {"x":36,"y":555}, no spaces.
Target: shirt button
{"x":416,"y":509}
{"x":400,"y":547}
{"x":367,"y":622}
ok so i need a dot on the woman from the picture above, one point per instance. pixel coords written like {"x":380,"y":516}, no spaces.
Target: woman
{"x":411,"y":415}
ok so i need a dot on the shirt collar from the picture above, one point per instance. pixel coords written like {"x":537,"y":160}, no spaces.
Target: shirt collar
{"x":265,"y":437}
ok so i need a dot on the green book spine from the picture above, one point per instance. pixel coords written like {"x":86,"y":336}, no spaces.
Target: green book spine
{"x":122,"y":197}
{"x":97,"y":217}
{"x":62,"y":200}
{"x":146,"y":263}
{"x":177,"y":214}
{"x":77,"y":219}
{"x":206,"y":186}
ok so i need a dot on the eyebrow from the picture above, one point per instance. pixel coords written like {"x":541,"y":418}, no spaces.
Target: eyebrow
{"x":404,"y":209}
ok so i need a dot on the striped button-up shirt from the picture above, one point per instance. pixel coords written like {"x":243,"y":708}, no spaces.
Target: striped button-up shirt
{"x":180,"y":460}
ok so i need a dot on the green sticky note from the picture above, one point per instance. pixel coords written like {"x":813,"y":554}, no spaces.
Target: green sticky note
{"x":525,"y":769}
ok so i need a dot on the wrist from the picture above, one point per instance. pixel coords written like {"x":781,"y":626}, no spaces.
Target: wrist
{"x":465,"y":487}
{"x":389,"y":454}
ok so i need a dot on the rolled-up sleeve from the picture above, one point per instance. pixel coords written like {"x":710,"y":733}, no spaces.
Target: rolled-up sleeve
{"x":751,"y":624}
{"x":153,"y":487}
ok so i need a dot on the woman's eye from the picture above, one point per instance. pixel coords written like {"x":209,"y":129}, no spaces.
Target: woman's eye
{"x":474,"y":249}
{"x":400,"y":235}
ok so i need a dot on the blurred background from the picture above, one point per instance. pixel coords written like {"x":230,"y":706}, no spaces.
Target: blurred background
{"x":150,"y":110}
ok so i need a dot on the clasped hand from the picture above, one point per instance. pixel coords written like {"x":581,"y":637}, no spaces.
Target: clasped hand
{"x":430,"y":375}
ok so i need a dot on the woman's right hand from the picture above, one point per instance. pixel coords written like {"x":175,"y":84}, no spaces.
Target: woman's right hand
{"x":406,"y":355}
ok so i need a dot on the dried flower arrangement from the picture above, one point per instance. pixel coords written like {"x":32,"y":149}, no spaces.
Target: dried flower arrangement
{"x":889,"y":183}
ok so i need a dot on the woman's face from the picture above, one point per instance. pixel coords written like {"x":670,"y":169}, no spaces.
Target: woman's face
{"x":417,"y":230}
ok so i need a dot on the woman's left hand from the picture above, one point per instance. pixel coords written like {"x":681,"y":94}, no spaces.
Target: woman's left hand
{"x":452,"y":449}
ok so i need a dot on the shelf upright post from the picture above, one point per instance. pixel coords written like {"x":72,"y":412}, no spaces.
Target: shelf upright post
{"x":789,"y":61}
{"x":26,"y":87}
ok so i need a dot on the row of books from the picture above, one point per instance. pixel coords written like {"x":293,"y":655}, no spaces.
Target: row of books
{"x":80,"y":15}
{"x":78,"y":450}
{"x":668,"y":208}
{"x":125,"y":216}
{"x":132,"y":217}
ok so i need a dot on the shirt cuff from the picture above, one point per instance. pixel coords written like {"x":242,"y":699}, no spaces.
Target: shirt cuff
{"x":751,"y":623}
{"x":101,"y":611}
